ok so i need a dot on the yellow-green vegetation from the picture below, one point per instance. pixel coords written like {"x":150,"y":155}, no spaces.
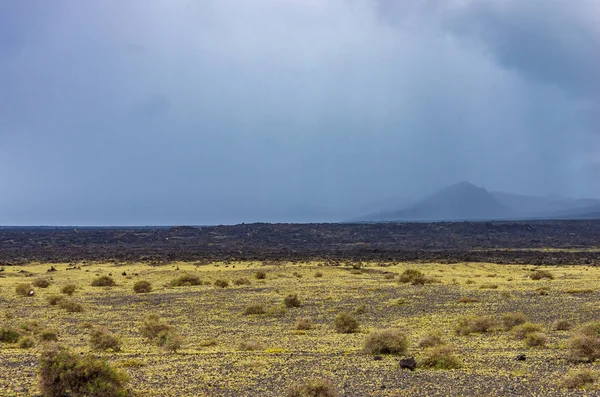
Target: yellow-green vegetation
{"x":312,"y":388}
{"x":260,"y":335}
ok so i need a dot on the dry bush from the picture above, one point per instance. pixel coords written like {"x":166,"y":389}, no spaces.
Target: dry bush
{"x":360,"y":309}
{"x":69,"y":289}
{"x":169,"y":340}
{"x":345,"y":323}
{"x":312,"y":388}
{"x":142,"y":287}
{"x":255,"y":308}
{"x":535,"y":339}
{"x":292,"y":301}
{"x":48,"y":335}
{"x":541,"y":274}
{"x":221,"y":283}
{"x":511,"y":320}
{"x":488,"y":286}
{"x":64,"y":373}
{"x":103,"y":281}
{"x":520,"y":331}
{"x":41,"y":283}
{"x":241,"y":281}
{"x":579,"y":379}
{"x":185,"y":280}
{"x":260,"y":275}
{"x":386,"y":341}
{"x":389,"y":276}
{"x":276,"y":311}
{"x":440,"y":357}
{"x":318,"y":274}
{"x":415,"y":277}
{"x":102,"y":339}
{"x":8,"y":335}
{"x":562,"y":325}
{"x":30,"y":326}
{"x":474,"y":324}
{"x":26,"y":342}
{"x":24,"y":289}
{"x":303,"y":323}
{"x":54,"y":299}
{"x":584,"y":342}
{"x":430,"y":340}
{"x":208,"y":343}
{"x":70,"y":305}
{"x":152,"y":326}
{"x":251,"y":346}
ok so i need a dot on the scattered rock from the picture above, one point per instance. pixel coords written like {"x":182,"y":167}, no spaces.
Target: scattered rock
{"x":521,"y":357}
{"x":408,"y":363}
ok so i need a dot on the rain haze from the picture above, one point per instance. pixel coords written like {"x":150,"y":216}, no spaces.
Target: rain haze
{"x":219,"y":111}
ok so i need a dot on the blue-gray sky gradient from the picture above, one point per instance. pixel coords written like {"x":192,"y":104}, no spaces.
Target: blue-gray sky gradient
{"x":223,"y":111}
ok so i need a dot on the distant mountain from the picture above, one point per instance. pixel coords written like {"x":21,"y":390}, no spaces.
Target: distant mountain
{"x":462,"y":201}
{"x":532,"y":205}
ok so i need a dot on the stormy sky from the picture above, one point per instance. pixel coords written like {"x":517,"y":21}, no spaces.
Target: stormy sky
{"x":123,"y":112}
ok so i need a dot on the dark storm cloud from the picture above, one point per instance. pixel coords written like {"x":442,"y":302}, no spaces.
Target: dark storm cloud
{"x":143,"y":112}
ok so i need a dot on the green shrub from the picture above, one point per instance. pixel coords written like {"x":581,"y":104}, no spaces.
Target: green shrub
{"x":255,"y":308}
{"x":24,"y":289}
{"x":541,"y":274}
{"x":8,"y":335}
{"x":54,"y":299}
{"x":69,"y":289}
{"x":103,"y":281}
{"x":511,"y":320}
{"x":520,"y":331}
{"x":292,"y":301}
{"x":440,"y":357}
{"x":579,"y":379}
{"x":345,"y":323}
{"x":260,"y":275}
{"x":241,"y":281}
{"x":474,"y":324}
{"x":386,"y":341}
{"x":102,"y":339}
{"x":64,"y":373}
{"x":430,"y":340}
{"x":26,"y":342}
{"x":41,"y":283}
{"x":303,"y":323}
{"x":186,"y":280}
{"x":221,"y":283}
{"x":70,"y":305}
{"x":312,"y":388}
{"x":142,"y":287}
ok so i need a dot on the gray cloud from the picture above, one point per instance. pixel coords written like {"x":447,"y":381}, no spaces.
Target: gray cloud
{"x":228,"y":111}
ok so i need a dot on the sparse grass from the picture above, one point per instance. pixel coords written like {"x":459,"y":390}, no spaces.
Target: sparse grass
{"x":474,"y":324}
{"x":345,"y":323}
{"x":360,"y":309}
{"x":386,"y":341}
{"x":318,"y":274}
{"x":465,"y":299}
{"x":251,"y":346}
{"x":8,"y":335}
{"x":142,"y":287}
{"x":312,"y":388}
{"x":241,"y":281}
{"x":488,"y":286}
{"x":519,"y":332}
{"x":562,"y":325}
{"x":103,"y":281}
{"x":26,"y":342}
{"x":579,"y":291}
{"x":260,"y":275}
{"x":48,"y":335}
{"x":440,"y":357}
